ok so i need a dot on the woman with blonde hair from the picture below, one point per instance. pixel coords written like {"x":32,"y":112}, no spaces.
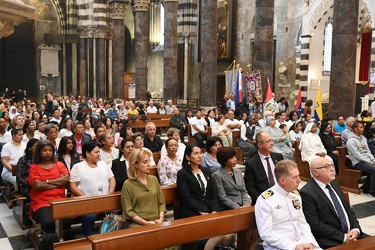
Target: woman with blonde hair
{"x":142,"y":200}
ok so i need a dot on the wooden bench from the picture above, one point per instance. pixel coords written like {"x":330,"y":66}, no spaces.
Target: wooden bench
{"x":78,"y":206}
{"x":173,"y":233}
{"x":303,"y":166}
{"x":21,"y":205}
{"x":239,"y":153}
{"x":191,"y":139}
{"x":363,"y":244}
{"x":348,"y":177}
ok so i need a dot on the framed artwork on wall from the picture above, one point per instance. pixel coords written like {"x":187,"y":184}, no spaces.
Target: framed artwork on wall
{"x":314,"y":84}
{"x":225,"y":17}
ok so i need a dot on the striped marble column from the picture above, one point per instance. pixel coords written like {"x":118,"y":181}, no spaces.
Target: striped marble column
{"x":304,"y":66}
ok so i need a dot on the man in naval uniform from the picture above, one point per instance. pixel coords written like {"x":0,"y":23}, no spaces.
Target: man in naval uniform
{"x":278,"y":212}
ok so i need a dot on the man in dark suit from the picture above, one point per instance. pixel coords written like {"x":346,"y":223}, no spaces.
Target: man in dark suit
{"x":79,"y":137}
{"x":331,"y":220}
{"x":257,"y":177}
{"x":179,"y":122}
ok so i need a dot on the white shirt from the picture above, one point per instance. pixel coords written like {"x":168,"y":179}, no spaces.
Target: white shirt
{"x":14,"y":151}
{"x":6,"y":137}
{"x":280,"y":220}
{"x":373,"y":109}
{"x":180,"y":151}
{"x":264,"y":162}
{"x":200,"y":123}
{"x":152,"y":110}
{"x":92,"y":181}
{"x":230,"y":122}
{"x":55,"y":120}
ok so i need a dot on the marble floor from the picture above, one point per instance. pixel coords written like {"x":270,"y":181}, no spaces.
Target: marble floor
{"x":12,"y":237}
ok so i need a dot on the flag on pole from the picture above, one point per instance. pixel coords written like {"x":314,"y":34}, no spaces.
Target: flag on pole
{"x":239,"y":92}
{"x":298,"y":107}
{"x":269,"y":102}
{"x":318,"y":112}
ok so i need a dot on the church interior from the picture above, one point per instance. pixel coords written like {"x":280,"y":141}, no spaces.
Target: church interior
{"x":180,"y":50}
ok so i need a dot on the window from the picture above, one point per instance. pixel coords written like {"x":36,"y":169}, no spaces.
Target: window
{"x":327,"y":49}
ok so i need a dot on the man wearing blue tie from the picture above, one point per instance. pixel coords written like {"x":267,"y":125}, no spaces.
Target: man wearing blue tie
{"x":331,"y":220}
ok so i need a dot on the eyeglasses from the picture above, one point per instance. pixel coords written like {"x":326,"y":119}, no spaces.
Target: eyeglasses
{"x":139,"y":139}
{"x":326,"y":166}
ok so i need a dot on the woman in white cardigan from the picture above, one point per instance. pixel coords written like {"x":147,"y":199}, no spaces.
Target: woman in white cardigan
{"x":219,"y":129}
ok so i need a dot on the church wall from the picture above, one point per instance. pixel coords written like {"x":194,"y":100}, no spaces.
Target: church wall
{"x":316,"y":63}
{"x":155,"y":72}
{"x":43,"y":27}
{"x":288,"y":22}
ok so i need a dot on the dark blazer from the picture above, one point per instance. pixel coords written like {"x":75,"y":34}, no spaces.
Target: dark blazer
{"x":73,"y":161}
{"x":193,"y":200}
{"x":120,"y":172}
{"x":231,"y":194}
{"x":256,"y":179}
{"x":85,"y":138}
{"x":321,"y":215}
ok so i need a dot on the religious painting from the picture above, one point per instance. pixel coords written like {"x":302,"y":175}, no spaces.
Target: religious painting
{"x":224,"y":28}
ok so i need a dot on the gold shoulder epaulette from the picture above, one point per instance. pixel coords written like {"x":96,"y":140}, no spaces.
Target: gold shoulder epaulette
{"x":296,"y":192}
{"x":267,"y":194}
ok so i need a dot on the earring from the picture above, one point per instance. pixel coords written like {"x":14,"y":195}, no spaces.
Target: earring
{"x":188,"y":162}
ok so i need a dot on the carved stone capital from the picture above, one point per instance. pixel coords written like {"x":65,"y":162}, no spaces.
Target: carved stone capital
{"x":118,"y":9}
{"x":68,"y":38}
{"x":101,"y":33}
{"x":86,"y":33}
{"x":140,"y":5}
{"x":6,"y":28}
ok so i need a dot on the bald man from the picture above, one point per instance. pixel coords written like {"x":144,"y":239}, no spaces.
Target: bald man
{"x":331,"y":220}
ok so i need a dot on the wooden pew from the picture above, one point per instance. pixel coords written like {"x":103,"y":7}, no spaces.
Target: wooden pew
{"x":142,"y":124}
{"x":77,"y":206}
{"x":191,"y":139}
{"x":363,"y":244}
{"x":239,"y":153}
{"x":21,"y":206}
{"x":348,"y":177}
{"x":173,"y":233}
{"x":303,"y":166}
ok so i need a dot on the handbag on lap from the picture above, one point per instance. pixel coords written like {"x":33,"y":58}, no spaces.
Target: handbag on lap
{"x":112,"y":222}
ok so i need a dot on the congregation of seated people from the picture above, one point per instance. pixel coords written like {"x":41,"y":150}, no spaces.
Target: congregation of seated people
{"x":87,"y":145}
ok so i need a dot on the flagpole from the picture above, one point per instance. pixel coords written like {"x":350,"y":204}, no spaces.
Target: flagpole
{"x":234,"y":65}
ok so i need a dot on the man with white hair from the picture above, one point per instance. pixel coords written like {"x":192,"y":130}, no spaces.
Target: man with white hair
{"x":169,"y":107}
{"x":151,"y":140}
{"x":151,"y":109}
